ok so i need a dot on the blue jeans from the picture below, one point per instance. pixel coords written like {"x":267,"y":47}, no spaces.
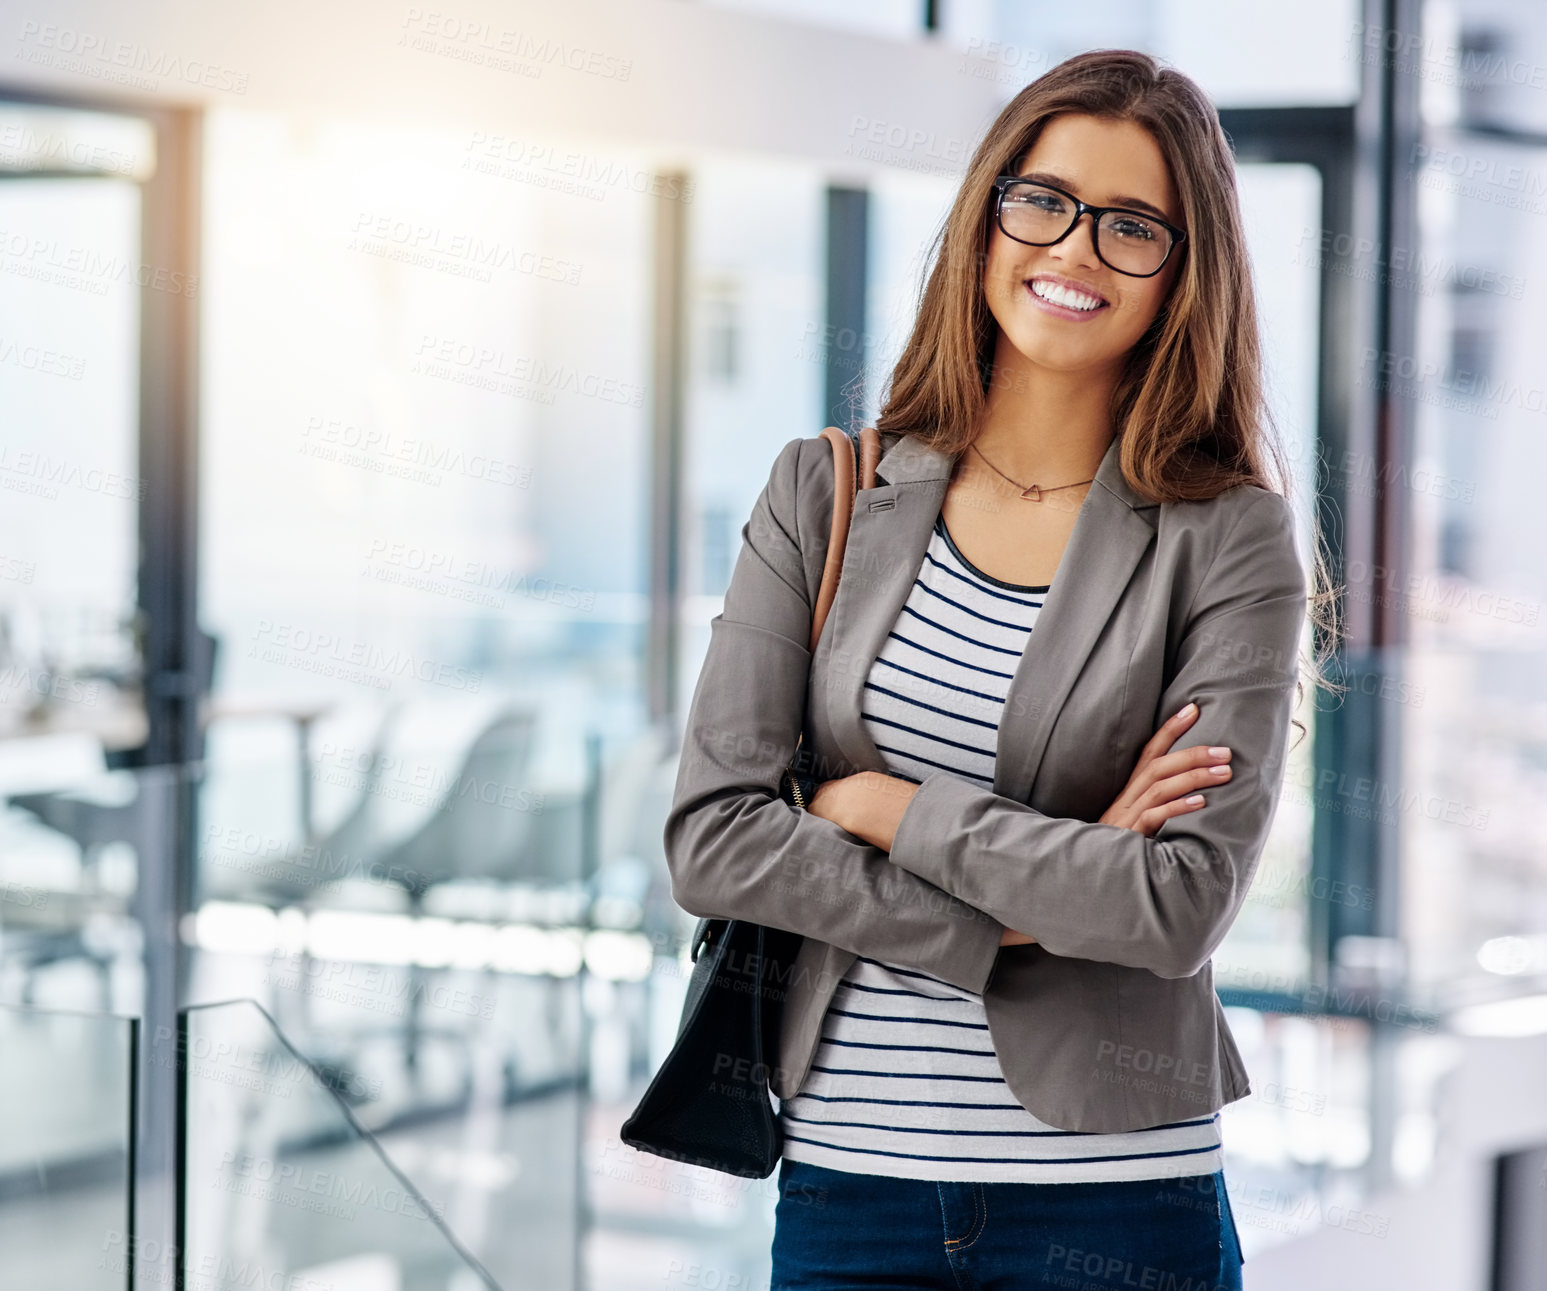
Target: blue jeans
{"x":834,"y":1229}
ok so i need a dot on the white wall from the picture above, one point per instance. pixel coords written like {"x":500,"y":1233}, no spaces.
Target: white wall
{"x":695,"y":76}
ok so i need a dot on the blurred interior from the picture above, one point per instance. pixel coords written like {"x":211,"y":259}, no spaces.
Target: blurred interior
{"x":384,"y":391}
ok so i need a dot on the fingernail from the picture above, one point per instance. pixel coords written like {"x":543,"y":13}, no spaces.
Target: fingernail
{"x":1218,"y":751}
{"x":1188,"y":711}
{"x":1219,"y":770}
{"x":1194,"y":799}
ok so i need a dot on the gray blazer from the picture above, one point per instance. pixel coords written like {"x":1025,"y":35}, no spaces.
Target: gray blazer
{"x":1110,"y":1022}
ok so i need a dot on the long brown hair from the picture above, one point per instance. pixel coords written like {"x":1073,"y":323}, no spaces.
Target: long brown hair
{"x":1189,"y":405}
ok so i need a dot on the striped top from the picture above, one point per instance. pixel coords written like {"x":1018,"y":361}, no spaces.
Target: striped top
{"x":905,"y":1081}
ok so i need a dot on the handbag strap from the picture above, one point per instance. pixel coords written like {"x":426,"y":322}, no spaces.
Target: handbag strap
{"x":844,"y":488}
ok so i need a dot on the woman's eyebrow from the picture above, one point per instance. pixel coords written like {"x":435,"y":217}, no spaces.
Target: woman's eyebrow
{"x":1134,"y":203}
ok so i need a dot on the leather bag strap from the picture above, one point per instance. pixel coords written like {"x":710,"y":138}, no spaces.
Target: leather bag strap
{"x":845,"y":486}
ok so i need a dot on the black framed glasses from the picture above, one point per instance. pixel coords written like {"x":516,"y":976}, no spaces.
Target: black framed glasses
{"x":1040,"y":215}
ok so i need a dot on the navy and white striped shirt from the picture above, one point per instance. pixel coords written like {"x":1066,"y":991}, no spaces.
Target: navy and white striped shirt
{"x":905,"y":1081}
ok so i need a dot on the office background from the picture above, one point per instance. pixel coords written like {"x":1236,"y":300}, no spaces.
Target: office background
{"x":382,"y":392}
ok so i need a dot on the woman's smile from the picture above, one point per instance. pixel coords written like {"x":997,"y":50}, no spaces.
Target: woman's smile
{"x":1064,"y":297}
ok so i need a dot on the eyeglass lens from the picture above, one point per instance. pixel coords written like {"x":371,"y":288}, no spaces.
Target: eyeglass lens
{"x":1126,"y":241}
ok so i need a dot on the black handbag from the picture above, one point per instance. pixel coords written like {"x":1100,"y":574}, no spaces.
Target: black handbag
{"x":709,"y":1103}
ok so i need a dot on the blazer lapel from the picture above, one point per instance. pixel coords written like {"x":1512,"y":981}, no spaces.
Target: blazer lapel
{"x":889,"y":534}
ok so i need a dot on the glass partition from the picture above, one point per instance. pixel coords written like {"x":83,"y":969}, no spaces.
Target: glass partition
{"x":286,"y":1187}
{"x":756,"y":360}
{"x":1240,"y":54}
{"x":73,"y":274}
{"x":66,"y":1149}
{"x":1269,"y":947}
{"x":1475,"y":879}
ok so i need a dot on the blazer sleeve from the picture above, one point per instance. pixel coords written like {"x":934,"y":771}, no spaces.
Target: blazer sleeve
{"x":1102,"y":892}
{"x":734,"y":847}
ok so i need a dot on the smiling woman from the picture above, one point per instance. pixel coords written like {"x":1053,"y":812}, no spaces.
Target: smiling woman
{"x":1114,"y":268}
{"x":1049,"y":788}
{"x":1071,"y":299}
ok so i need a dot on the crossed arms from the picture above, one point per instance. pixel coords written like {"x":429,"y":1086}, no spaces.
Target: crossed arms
{"x":965,"y":863}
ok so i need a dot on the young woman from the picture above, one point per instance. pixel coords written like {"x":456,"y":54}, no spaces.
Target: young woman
{"x":1002,"y":1059}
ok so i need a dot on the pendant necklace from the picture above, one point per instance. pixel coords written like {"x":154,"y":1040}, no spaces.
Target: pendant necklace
{"x":1030,"y":492}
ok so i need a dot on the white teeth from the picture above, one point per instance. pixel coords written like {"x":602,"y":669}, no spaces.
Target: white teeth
{"x":1061,"y":295}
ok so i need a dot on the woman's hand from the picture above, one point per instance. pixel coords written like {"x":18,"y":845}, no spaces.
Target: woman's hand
{"x":869,"y":804}
{"x":1160,"y":787}
{"x":1163,"y":783}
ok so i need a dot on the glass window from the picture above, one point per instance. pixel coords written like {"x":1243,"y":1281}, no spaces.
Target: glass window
{"x":756,"y":324}
{"x":907,"y":210}
{"x":425,"y":456}
{"x":1257,"y":56}
{"x":1269,"y":946}
{"x":1474,"y":878}
{"x":425,"y":431}
{"x":69,"y":447}
{"x":1242,"y":55}
{"x":66,"y":1143}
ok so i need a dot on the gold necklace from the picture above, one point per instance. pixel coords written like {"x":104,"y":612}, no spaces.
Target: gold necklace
{"x":1030,"y":492}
